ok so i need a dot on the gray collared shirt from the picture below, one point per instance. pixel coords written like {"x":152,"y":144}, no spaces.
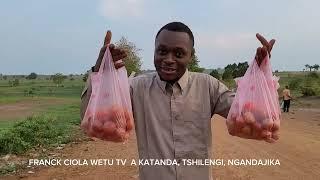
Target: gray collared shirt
{"x":174,"y":122}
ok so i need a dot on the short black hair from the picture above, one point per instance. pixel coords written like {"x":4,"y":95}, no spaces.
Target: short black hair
{"x":178,"y":27}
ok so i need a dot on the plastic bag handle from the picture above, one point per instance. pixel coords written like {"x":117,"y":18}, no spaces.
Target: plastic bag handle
{"x":103,"y":62}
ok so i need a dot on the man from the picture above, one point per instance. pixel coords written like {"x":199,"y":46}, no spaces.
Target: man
{"x":173,"y":107}
{"x":286,"y":99}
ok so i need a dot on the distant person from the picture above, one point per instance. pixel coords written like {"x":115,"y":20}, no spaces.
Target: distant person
{"x":286,"y":99}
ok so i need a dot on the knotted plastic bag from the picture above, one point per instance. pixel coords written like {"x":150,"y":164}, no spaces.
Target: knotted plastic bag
{"x":256,"y":100}
{"x":109,"y":113}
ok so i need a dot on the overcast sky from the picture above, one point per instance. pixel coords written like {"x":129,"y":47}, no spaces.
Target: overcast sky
{"x":65,"y":36}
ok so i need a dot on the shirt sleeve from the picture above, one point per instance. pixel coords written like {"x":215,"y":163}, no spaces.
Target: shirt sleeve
{"x":221,"y":98}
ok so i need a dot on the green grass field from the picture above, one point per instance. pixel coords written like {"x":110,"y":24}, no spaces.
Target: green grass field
{"x":53,"y":108}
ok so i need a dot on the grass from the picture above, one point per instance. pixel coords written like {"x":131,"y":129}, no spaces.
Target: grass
{"x":54,"y":127}
{"x":39,"y":88}
{"x":52,"y":124}
{"x":8,"y":124}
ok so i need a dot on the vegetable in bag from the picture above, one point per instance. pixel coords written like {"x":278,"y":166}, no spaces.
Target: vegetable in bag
{"x":256,"y":102}
{"x":109,"y":113}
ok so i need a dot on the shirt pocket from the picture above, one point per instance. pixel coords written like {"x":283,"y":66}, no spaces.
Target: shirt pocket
{"x":198,"y":108}
{"x":195,"y":135}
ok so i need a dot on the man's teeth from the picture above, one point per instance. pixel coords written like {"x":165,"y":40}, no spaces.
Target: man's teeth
{"x":168,"y":69}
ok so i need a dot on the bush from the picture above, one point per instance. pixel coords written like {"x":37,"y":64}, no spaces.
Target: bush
{"x":16,"y":82}
{"x":215,"y":74}
{"x":35,"y":130}
{"x":32,"y":76}
{"x":294,"y":84}
{"x":85,"y":76}
{"x":308,"y":91}
{"x":313,"y":75}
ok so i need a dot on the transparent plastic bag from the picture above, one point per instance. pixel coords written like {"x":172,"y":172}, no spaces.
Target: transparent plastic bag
{"x":256,"y":96}
{"x":109,"y":113}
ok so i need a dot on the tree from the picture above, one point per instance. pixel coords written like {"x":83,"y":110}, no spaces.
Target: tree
{"x":58,"y":78}
{"x":227,"y":74}
{"x":240,"y":70}
{"x":316,"y":67}
{"x":234,"y":70}
{"x":32,"y":76}
{"x":5,"y":77}
{"x":308,"y":66}
{"x":132,"y":61}
{"x":193,"y":65}
{"x":13,"y":83}
{"x":85,"y":76}
{"x":16,"y":82}
{"x":215,"y":73}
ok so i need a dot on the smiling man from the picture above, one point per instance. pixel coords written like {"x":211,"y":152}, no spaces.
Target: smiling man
{"x":173,"y":107}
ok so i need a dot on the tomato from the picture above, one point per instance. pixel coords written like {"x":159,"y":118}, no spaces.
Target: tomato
{"x":248,"y":106}
{"x":266,"y":134}
{"x":97,"y":126}
{"x":109,"y":123}
{"x":276,"y":125}
{"x":109,"y":128}
{"x":275,"y":135}
{"x":129,"y":120}
{"x":231,"y":127}
{"x":240,"y":122}
{"x":249,"y":118}
{"x":267,"y":124}
{"x":246,"y":130}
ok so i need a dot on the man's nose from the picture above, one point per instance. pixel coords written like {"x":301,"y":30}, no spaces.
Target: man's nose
{"x":169,"y":59}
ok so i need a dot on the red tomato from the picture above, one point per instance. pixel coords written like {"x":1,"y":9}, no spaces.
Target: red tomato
{"x":240,"y":122}
{"x":267,"y":124}
{"x":249,"y":118}
{"x":266,"y":134}
{"x":129,"y":120}
{"x":109,"y":128}
{"x":248,"y":106}
{"x":275,"y":135}
{"x":97,"y":127}
{"x":246,"y":130}
{"x":231,"y":127}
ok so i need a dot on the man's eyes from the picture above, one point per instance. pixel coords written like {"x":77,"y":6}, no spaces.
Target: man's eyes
{"x":162,"y":51}
{"x":177,"y":53}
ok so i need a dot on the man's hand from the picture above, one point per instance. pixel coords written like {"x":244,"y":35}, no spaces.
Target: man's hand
{"x":117,"y":54}
{"x":265,"y":49}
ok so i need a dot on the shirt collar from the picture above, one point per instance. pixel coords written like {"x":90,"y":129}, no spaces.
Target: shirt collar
{"x":182,"y":82}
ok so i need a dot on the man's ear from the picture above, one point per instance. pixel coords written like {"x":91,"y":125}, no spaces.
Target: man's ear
{"x":192,"y":54}
{"x":192,"y":51}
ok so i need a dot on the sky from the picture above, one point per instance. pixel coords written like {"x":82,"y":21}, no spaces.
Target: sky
{"x":62,"y":36}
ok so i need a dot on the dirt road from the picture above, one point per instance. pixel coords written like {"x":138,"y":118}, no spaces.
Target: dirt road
{"x":297,"y":151}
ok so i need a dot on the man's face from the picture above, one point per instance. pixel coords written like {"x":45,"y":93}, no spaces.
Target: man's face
{"x":172,"y":54}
